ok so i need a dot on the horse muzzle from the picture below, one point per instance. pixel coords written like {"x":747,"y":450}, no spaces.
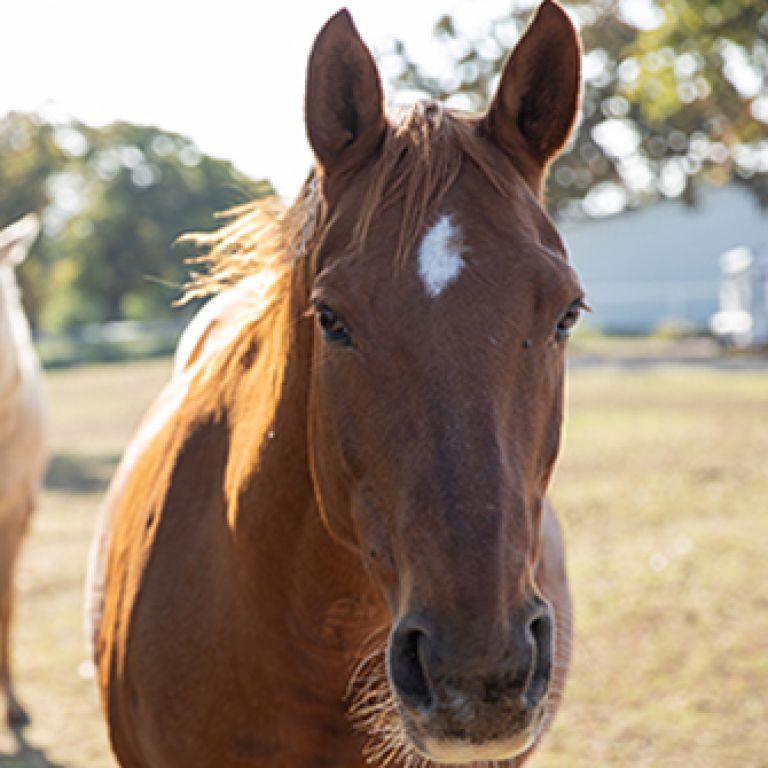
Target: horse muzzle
{"x":459,"y":705}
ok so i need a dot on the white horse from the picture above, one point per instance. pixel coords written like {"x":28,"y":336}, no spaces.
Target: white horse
{"x":22,"y":451}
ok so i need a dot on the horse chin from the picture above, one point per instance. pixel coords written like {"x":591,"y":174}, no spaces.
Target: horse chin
{"x":448,"y":751}
{"x":451,"y":752}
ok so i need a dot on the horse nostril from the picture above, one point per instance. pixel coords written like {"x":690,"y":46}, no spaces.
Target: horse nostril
{"x":540,"y":631}
{"x":406,"y":662}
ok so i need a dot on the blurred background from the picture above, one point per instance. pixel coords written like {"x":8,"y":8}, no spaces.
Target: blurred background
{"x":123,"y":126}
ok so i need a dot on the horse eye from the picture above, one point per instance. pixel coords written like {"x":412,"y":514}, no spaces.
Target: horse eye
{"x":331,"y":325}
{"x":567,"y":321}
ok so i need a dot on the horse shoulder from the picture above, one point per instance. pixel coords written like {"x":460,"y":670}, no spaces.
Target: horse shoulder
{"x":163,"y":510}
{"x":149,"y":459}
{"x":156,"y":423}
{"x":551,"y":576}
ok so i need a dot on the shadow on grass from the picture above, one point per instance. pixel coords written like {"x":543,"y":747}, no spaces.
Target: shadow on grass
{"x":71,"y":473}
{"x":24,"y":755}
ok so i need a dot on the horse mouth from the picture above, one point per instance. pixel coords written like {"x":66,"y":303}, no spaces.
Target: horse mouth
{"x":464,"y":749}
{"x":457,"y":752}
{"x":450,"y":730}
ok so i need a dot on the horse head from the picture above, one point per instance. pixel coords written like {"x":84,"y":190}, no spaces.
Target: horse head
{"x":443,"y":300}
{"x":16,"y":240}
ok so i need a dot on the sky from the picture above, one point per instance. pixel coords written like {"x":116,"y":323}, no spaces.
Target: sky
{"x":227,"y":73}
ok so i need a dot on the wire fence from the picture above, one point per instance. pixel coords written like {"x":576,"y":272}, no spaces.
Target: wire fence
{"x":108,"y":342}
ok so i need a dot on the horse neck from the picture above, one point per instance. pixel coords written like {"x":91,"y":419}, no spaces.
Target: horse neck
{"x":326,"y":597}
{"x":17,"y":358}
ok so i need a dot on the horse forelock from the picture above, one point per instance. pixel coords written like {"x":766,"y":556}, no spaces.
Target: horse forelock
{"x":420,"y":159}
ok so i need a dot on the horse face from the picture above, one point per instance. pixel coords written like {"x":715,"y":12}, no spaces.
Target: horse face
{"x":16,"y":240}
{"x":436,"y":399}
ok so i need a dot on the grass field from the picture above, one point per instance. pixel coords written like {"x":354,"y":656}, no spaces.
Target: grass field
{"x":663,"y":487}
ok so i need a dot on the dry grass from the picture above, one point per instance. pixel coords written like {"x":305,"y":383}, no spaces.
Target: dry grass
{"x":92,"y":413}
{"x":663,"y":488}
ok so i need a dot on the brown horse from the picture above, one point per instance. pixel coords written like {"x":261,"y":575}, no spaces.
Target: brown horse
{"x":336,"y":509}
{"x":22,"y":444}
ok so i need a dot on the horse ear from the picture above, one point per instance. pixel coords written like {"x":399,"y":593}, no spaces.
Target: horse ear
{"x":537,"y":101}
{"x":344,"y":107}
{"x":17,"y":238}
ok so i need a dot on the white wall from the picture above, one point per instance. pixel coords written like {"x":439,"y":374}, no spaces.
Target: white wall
{"x":644,"y":267}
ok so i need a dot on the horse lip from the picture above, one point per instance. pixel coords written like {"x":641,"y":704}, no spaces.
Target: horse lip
{"x":457,"y":751}
{"x":465,"y":752}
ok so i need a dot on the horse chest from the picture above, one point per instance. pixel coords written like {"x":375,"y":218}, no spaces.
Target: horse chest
{"x":257,"y":705}
{"x":262,"y":676}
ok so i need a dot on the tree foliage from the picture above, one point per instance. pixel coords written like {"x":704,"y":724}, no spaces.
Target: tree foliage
{"x":675,"y":92}
{"x":113,"y":201}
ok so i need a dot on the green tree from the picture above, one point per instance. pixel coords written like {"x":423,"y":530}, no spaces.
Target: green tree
{"x":142,"y":189}
{"x":114,"y":200}
{"x":673,"y":95}
{"x":29,"y":157}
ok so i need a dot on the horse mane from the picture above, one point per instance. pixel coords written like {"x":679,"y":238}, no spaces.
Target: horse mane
{"x":422,"y":153}
{"x":421,"y":156}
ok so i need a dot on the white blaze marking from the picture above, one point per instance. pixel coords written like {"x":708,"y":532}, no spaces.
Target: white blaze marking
{"x":440,"y":259}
